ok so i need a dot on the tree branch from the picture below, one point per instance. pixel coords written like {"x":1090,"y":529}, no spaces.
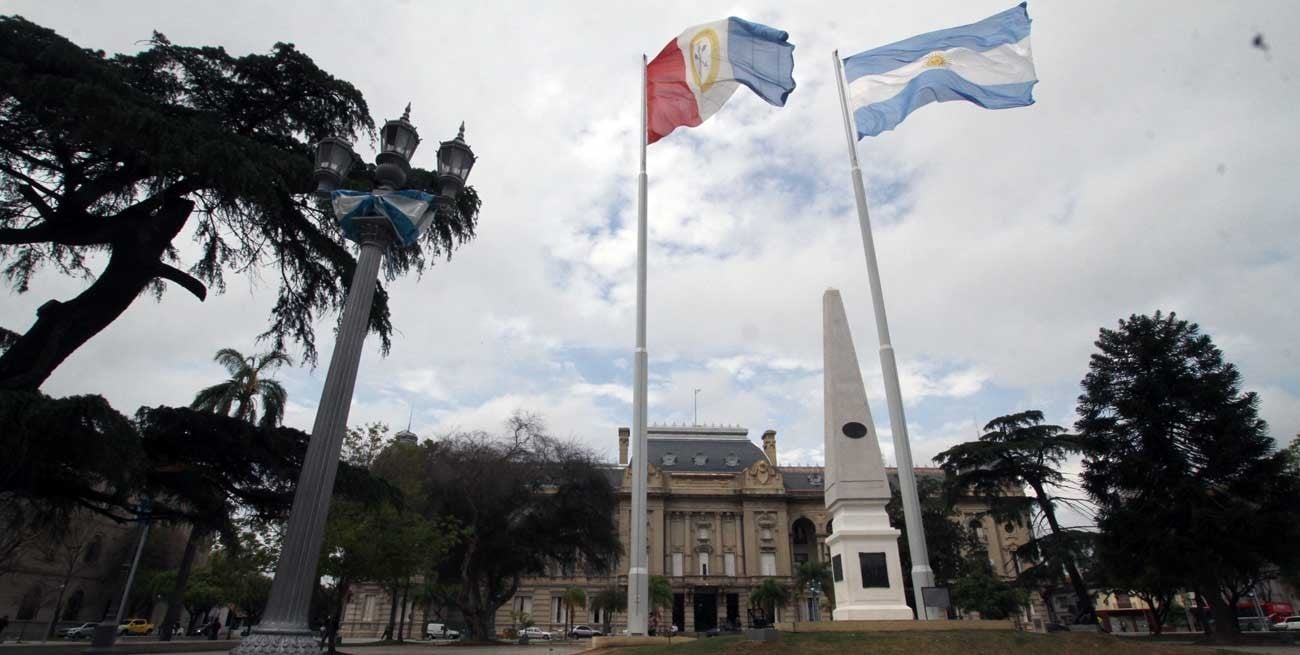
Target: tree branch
{"x":185,"y":280}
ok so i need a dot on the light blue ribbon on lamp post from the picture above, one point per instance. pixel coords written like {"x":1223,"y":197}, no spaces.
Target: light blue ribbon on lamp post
{"x":408,"y":211}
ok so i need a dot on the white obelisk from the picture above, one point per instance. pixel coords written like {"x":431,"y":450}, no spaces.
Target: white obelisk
{"x":866,"y":570}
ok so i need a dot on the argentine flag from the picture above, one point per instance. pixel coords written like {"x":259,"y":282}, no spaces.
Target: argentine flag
{"x":988,"y":63}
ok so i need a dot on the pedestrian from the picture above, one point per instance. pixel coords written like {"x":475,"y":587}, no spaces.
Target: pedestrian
{"x":215,"y":629}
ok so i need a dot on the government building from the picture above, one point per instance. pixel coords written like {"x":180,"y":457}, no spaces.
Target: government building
{"x":723,"y":515}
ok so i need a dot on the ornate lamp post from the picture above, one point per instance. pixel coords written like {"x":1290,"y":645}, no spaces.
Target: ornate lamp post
{"x":376,"y":220}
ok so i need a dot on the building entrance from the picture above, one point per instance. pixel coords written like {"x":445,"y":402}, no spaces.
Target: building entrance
{"x":706,"y":608}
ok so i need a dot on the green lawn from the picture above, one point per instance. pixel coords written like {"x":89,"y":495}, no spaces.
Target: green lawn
{"x":922,"y":643}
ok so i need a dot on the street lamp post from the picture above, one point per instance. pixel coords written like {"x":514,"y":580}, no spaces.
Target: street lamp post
{"x":377,"y":221}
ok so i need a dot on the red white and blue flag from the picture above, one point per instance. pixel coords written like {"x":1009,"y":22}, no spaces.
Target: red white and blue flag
{"x":699,"y":70}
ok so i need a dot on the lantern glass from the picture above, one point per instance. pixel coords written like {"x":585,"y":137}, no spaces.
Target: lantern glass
{"x":455,"y":159}
{"x":400,"y":138}
{"x":334,"y":155}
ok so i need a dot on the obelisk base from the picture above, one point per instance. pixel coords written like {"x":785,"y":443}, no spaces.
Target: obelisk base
{"x":865,"y":566}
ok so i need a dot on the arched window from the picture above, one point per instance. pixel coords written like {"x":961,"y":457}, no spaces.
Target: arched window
{"x":668,"y":459}
{"x":93,"y":550}
{"x":731,"y":459}
{"x":30,"y":604}
{"x":73,"y":609}
{"x":700,"y":459}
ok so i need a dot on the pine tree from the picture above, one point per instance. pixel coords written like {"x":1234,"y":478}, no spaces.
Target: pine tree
{"x":1183,"y":472}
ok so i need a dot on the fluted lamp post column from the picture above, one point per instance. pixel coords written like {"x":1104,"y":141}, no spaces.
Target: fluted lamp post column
{"x":377,"y":221}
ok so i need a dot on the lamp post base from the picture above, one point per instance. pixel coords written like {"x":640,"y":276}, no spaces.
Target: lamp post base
{"x":279,"y":642}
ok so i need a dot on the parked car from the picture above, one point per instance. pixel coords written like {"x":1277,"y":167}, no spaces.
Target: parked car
{"x":584,"y":631}
{"x":534,"y":632}
{"x":135,"y":627}
{"x":440,"y":631}
{"x":83,"y":631}
{"x":1290,"y":623}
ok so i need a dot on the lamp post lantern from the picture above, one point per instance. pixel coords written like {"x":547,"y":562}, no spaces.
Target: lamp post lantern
{"x":377,"y":221}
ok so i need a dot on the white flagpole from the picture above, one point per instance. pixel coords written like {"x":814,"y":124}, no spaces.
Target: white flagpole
{"x":638,"y":576}
{"x":922,"y":575}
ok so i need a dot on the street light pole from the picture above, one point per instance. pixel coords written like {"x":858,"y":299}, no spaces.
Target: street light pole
{"x":373,"y":222}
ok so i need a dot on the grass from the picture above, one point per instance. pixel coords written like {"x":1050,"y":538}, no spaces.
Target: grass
{"x":922,"y":643}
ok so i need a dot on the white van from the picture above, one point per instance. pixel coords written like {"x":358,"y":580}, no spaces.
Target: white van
{"x":439,"y":631}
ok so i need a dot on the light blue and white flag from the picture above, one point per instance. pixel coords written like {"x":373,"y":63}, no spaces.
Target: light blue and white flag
{"x":988,"y":63}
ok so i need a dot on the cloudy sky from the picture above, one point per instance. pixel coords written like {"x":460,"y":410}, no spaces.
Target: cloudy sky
{"x":1158,"y":170}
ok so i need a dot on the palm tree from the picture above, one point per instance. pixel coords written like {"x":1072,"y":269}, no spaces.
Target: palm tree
{"x":819,"y":572}
{"x":236,"y":396}
{"x":572,"y":597}
{"x":607,"y":602}
{"x":661,"y":596}
{"x":1017,"y":450}
{"x":769,"y":594}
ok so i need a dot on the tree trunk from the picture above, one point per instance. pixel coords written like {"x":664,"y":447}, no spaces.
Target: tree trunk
{"x":401,"y":620}
{"x":63,"y":327}
{"x":392,"y":614}
{"x":1071,"y":569}
{"x":176,"y":597}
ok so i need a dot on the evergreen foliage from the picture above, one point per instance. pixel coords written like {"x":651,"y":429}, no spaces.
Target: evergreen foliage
{"x":1017,"y":451}
{"x":1188,"y":485}
{"x":114,"y":158}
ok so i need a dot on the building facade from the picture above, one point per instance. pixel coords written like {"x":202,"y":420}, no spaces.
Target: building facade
{"x":76,"y":575}
{"x":723,"y":515}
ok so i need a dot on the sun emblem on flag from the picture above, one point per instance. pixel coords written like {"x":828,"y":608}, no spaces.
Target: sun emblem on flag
{"x":936,"y":60}
{"x":704,"y":58}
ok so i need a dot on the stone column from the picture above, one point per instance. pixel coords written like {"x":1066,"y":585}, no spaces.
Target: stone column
{"x":284,"y":629}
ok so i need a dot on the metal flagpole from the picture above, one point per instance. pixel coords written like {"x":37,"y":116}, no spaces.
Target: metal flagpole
{"x":638,"y":576}
{"x":922,"y":575}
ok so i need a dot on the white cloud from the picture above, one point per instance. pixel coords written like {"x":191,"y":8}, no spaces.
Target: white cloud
{"x":1156,"y":171}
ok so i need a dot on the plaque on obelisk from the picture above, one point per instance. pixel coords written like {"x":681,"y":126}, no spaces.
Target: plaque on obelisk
{"x":864,"y":547}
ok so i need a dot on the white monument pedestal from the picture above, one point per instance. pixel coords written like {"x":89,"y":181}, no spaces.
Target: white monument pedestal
{"x":862,"y":528}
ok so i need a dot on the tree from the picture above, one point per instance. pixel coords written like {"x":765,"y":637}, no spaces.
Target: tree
{"x":608,"y":602}
{"x":1179,"y":462}
{"x":67,"y":549}
{"x":948,"y":540}
{"x":526,"y":501}
{"x":571,"y":597}
{"x":1015,"y":451}
{"x":769,"y":595}
{"x":815,"y":571}
{"x":980,"y":590}
{"x":246,"y":384}
{"x":661,"y":597}
{"x":93,"y":463}
{"x":110,"y":157}
{"x":363,"y":443}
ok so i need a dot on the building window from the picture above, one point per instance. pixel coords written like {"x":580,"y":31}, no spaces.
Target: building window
{"x":700,"y":459}
{"x":729,"y":564}
{"x":837,"y":569}
{"x":368,"y":608}
{"x":815,"y":479}
{"x":731,"y":460}
{"x":977,"y":527}
{"x":704,"y":564}
{"x":800,"y":558}
{"x":678,"y":565}
{"x":668,"y":459}
{"x":767,"y":564}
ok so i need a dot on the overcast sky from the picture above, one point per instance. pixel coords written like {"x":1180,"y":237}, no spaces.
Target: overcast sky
{"x":1159,"y":169}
